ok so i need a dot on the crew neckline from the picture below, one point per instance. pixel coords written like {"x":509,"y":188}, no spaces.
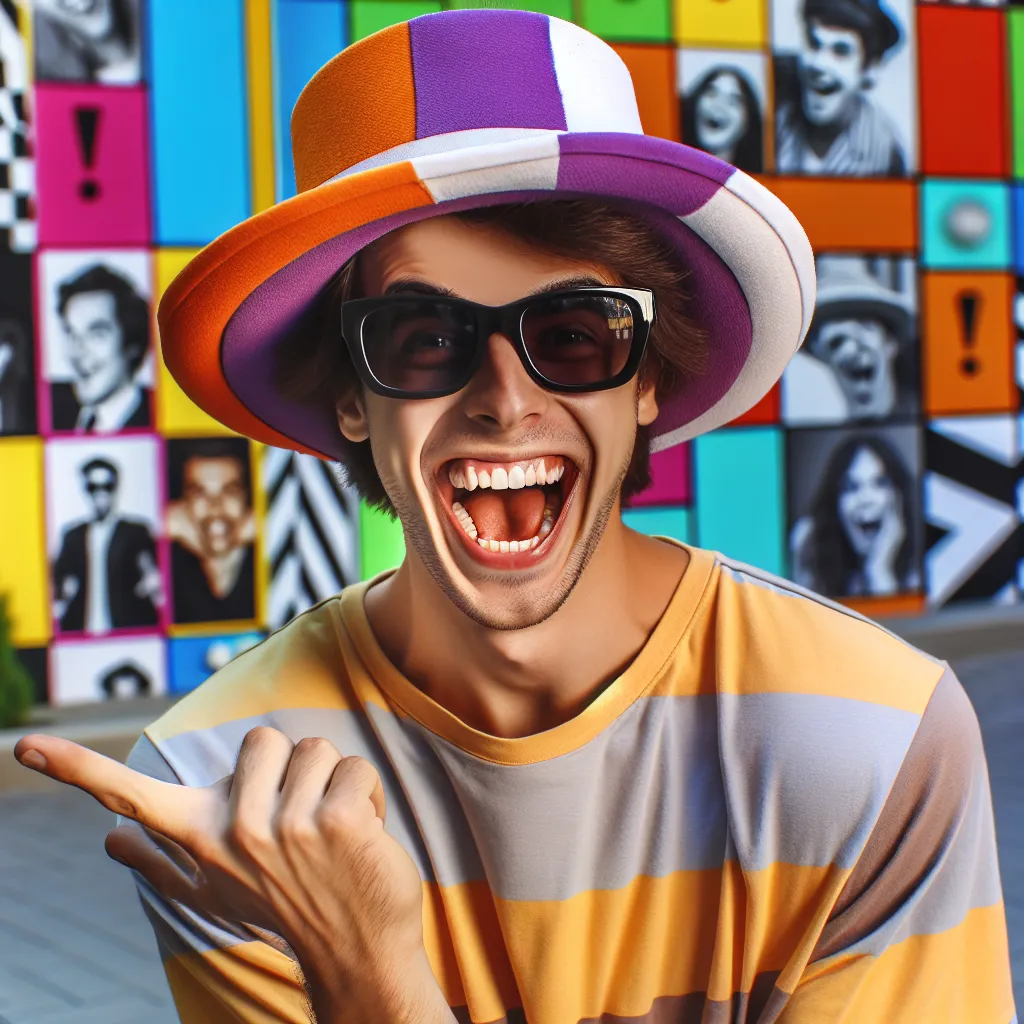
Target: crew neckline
{"x":639,"y":675}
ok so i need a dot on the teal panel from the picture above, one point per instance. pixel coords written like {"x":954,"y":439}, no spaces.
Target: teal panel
{"x":662,"y":522}
{"x":974,"y":237}
{"x":200,"y":116}
{"x":739,"y":495}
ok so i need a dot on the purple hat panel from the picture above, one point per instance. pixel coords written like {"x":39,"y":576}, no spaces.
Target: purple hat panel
{"x":504,"y":65}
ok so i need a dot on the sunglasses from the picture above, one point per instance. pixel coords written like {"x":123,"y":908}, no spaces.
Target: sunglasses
{"x":429,"y":346}
{"x":94,"y":488}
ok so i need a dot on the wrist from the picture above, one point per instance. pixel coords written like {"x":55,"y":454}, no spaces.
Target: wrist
{"x":406,"y":993}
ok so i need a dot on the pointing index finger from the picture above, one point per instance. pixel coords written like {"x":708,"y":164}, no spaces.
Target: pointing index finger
{"x":172,"y":810}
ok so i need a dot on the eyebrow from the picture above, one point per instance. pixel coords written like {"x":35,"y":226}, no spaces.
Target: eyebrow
{"x":410,"y":285}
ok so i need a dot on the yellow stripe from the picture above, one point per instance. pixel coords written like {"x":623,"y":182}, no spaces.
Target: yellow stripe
{"x":615,"y":951}
{"x":251,"y":983}
{"x":261,"y":102}
{"x":960,"y":976}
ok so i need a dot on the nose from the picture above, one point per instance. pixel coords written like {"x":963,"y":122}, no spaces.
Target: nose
{"x":502,"y":396}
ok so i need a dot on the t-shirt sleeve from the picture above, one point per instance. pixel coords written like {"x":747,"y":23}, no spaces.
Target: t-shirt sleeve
{"x":919,"y":930}
{"x":217,"y":970}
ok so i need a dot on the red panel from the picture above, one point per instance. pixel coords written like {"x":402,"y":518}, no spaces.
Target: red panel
{"x":963,"y":101}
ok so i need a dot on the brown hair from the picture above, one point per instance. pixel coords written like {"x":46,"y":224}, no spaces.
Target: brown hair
{"x":313,"y":364}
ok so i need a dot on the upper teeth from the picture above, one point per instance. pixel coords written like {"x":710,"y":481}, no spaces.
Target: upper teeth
{"x":532,"y":474}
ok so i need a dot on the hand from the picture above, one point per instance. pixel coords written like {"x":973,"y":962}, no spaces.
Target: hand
{"x":150,"y":584}
{"x":182,"y":528}
{"x":880,"y":564}
{"x":293,"y":843}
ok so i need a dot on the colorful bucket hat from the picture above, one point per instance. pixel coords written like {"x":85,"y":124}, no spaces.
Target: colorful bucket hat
{"x":465,"y":109}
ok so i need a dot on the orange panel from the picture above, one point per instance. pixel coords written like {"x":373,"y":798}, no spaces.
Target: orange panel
{"x":653,"y":69}
{"x":873,"y":216}
{"x":886,"y":607}
{"x":968,"y":343}
{"x":765,"y":412}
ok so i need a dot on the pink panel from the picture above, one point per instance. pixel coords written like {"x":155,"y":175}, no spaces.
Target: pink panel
{"x":670,"y":478}
{"x":93,"y":165}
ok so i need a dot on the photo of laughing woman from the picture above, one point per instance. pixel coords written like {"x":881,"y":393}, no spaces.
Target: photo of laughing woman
{"x":859,"y":535}
{"x":722,"y":115}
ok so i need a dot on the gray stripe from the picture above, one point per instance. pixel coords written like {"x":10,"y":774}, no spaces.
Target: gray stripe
{"x":807,"y":775}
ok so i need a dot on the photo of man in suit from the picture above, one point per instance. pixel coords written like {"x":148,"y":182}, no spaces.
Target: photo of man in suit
{"x":827,"y":124}
{"x":106,"y":575}
{"x":106,"y":326}
{"x":212,"y":528}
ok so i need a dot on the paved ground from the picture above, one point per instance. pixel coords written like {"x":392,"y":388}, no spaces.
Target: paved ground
{"x":76,"y":949}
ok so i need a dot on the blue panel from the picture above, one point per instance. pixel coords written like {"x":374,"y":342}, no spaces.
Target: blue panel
{"x":661,"y":522}
{"x":739,"y":495}
{"x":965,"y":225}
{"x":1018,"y":228}
{"x":200,"y":119}
{"x":192,"y":660}
{"x":307,"y":34}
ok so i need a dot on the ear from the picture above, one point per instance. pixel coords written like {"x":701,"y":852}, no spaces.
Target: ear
{"x":646,"y":404}
{"x":351,"y":412}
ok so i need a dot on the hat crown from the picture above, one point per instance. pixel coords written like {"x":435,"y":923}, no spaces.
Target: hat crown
{"x":457,"y":78}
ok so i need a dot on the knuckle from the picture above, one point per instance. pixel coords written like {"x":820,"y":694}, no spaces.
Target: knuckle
{"x":249,"y":838}
{"x":259,"y":736}
{"x":341,"y":819}
{"x":296,"y":830}
{"x":315,"y":746}
{"x":359,"y":771}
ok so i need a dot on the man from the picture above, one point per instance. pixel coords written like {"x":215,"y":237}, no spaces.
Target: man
{"x":549,"y":769}
{"x":106,"y":575}
{"x":825,"y":123}
{"x":212,"y":529}
{"x":862,"y":331}
{"x":106,"y":326}
{"x":87,"y":41}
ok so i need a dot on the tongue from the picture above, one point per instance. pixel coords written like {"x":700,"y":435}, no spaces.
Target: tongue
{"x":506,"y":515}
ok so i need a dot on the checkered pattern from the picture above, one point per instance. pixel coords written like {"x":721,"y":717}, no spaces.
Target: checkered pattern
{"x":17,"y":167}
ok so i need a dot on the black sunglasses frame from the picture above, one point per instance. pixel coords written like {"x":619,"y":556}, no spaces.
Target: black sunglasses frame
{"x":505,"y":320}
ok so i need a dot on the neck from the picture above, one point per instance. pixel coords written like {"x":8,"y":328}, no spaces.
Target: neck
{"x":519,"y":682}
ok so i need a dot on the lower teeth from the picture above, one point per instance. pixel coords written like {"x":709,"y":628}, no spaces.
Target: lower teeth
{"x":505,"y":546}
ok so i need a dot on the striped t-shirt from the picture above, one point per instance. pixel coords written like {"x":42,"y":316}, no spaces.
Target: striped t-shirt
{"x":779,"y":812}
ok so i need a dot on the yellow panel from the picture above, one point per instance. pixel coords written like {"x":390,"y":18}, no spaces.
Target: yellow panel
{"x":729,"y":23}
{"x":261,"y":102}
{"x":176,"y":414}
{"x":23,"y":539}
{"x":25,"y":27}
{"x":259,"y":504}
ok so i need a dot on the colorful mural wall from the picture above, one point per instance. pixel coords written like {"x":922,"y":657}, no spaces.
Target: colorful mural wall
{"x":143,"y":546}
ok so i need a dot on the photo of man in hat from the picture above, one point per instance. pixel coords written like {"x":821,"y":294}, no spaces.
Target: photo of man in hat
{"x":827,"y":122}
{"x":548,"y":769}
{"x":863,"y":337}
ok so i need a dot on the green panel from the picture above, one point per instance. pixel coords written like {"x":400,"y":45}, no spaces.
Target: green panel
{"x":1015,"y":19}
{"x":556,"y":8}
{"x":369,"y":16}
{"x":645,"y":20}
{"x":674,"y":522}
{"x":739,"y":494}
{"x":381,"y":543}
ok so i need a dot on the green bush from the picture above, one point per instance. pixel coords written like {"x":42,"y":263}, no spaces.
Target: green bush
{"x":16,"y":688}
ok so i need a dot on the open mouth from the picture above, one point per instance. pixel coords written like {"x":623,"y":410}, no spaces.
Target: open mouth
{"x":508,"y":513}
{"x":870,"y":528}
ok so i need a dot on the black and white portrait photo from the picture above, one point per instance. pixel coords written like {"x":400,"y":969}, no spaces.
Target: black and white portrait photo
{"x":212,"y":529}
{"x":96,"y":340}
{"x":127,"y":668}
{"x":94,"y":41}
{"x":844,"y":88}
{"x":102,"y":505}
{"x":722,"y":104}
{"x":17,"y":345}
{"x":855,"y":511}
{"x":860,"y":360}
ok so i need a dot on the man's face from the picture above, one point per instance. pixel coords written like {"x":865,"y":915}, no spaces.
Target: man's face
{"x":217,"y":500}
{"x":95,"y":346}
{"x":100,"y":490}
{"x":93,"y":19}
{"x":429,"y":451}
{"x":862,"y":354}
{"x":831,"y":72}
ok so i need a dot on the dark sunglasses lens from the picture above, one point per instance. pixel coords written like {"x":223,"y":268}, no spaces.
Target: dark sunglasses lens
{"x":579,"y":339}
{"x":420,"y":345}
{"x":95,"y":488}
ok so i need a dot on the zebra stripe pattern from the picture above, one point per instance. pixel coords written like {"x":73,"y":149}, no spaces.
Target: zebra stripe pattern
{"x":311,"y":533}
